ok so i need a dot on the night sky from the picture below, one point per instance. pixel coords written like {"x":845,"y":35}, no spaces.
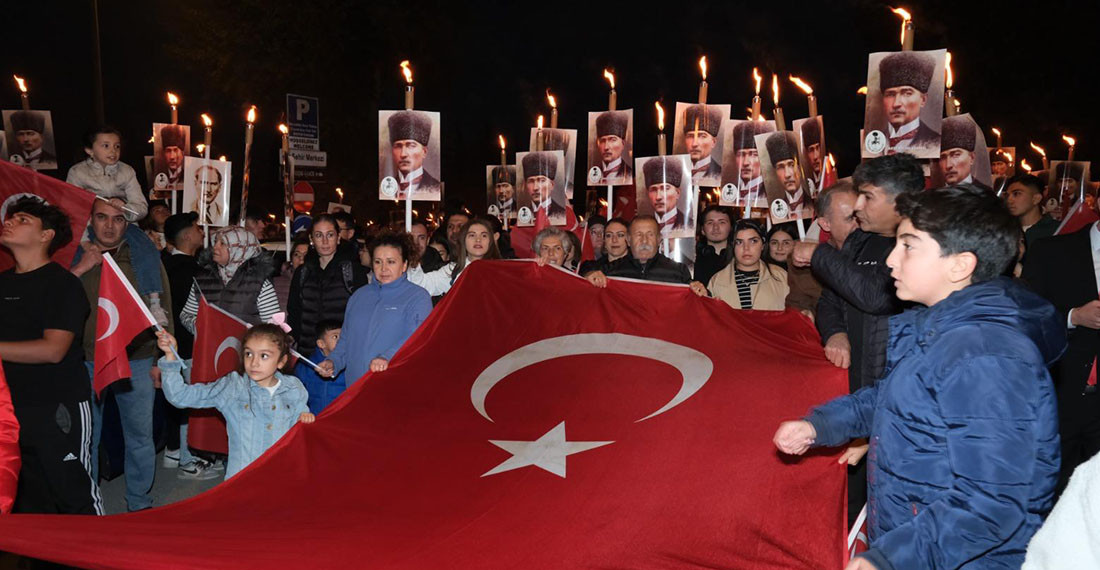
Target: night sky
{"x":485,"y":66}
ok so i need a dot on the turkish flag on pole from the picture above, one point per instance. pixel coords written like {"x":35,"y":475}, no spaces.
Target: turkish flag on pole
{"x":217,"y":352}
{"x":1078,"y":216}
{"x":122,"y":316}
{"x":18,"y":181}
{"x":626,"y":427}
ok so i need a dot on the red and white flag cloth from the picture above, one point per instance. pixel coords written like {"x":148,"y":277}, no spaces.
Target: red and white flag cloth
{"x":1078,"y":216}
{"x":624,"y":432}
{"x":121,"y":316}
{"x":857,"y":537}
{"x":523,"y":237}
{"x":10,"y":459}
{"x":18,"y":181}
{"x":217,"y":352}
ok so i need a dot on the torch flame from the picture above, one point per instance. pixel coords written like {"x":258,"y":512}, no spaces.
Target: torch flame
{"x":340,"y":192}
{"x":1024,"y":165}
{"x":760,"y":118}
{"x":1038,"y":149}
{"x":272,"y":216}
{"x":660,"y":115}
{"x":407,"y":71}
{"x":775,"y":89}
{"x":996,"y":131}
{"x":540,"y":121}
{"x":756,"y":77}
{"x":1069,"y":140}
{"x":222,"y":158}
{"x":703,"y":66}
{"x":172,"y":99}
{"x":950,"y":76}
{"x":832,"y":161}
{"x":905,"y":17}
{"x":152,"y":139}
{"x":862,"y":90}
{"x":550,"y":98}
{"x":501,"y":139}
{"x":805,"y":87}
{"x":283,"y":129}
{"x":21,"y":82}
{"x":610,"y":77}
{"x":200,"y":148}
{"x":251,"y":118}
{"x":207,"y":121}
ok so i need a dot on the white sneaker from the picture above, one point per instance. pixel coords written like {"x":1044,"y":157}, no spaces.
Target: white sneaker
{"x":197,"y":470}
{"x":171,"y":458}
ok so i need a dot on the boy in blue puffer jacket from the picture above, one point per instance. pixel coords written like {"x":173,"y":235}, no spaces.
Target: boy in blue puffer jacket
{"x":963,"y":427}
{"x":322,"y":391}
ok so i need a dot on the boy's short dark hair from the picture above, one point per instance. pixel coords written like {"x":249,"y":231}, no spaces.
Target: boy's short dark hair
{"x":92,"y":135}
{"x":724,"y":210}
{"x":328,"y":325}
{"x":52,"y":217}
{"x":966,"y":218}
{"x":894,"y":173}
{"x":342,"y":216}
{"x":1029,"y":180}
{"x":255,"y":214}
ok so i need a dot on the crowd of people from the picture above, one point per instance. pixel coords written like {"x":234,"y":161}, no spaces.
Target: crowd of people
{"x":950,"y":310}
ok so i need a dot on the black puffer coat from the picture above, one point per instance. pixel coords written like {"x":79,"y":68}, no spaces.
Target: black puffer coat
{"x":240,"y":294}
{"x":318,"y":294}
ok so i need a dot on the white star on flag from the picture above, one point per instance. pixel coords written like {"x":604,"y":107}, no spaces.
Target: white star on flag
{"x":548,"y":452}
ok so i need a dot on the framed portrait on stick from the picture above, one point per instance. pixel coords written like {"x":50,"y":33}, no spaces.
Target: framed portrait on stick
{"x":206,"y":189}
{"x":964,"y":158}
{"x":408,"y":155}
{"x":500,"y":191}
{"x":665,"y":191}
{"x":784,"y":179}
{"x":542,"y":187}
{"x":30,"y":139}
{"x":564,"y":140}
{"x":611,"y":148}
{"x":742,"y":181}
{"x":904,"y":108}
{"x":170,"y":146}
{"x":698,"y":133}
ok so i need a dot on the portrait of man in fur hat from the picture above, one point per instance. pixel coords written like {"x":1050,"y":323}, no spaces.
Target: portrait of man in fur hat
{"x":542,"y":186}
{"x":742,"y":183}
{"x":665,"y":191}
{"x":960,"y":153}
{"x":783,"y":175}
{"x":501,"y":190}
{"x":698,"y":133}
{"x":904,"y":103}
{"x":409,"y":155}
{"x":811,"y":149}
{"x":170,"y":146}
{"x":30,"y":139}
{"x":610,"y":151}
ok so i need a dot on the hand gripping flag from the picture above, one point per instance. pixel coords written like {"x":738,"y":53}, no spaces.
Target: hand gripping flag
{"x":217,"y":352}
{"x":570,"y":427}
{"x":17,"y":182}
{"x":121,"y":316}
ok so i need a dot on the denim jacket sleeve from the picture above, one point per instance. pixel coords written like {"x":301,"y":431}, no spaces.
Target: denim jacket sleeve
{"x":184,"y":395}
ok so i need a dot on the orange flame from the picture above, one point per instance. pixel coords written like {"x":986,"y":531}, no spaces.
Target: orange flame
{"x":501,"y":139}
{"x":862,"y":90}
{"x":272,"y":216}
{"x":540,"y":121}
{"x":551,"y":99}
{"x":22,"y":83}
{"x":251,"y":118}
{"x":805,"y":87}
{"x":950,"y":76}
{"x":660,"y":115}
{"x":200,"y":148}
{"x":610,"y":77}
{"x":703,"y":66}
{"x":283,"y":129}
{"x":207,"y":121}
{"x":775,"y":89}
{"x":1069,"y":140}
{"x":832,"y":161}
{"x":152,"y":139}
{"x":172,"y":99}
{"x":757,"y":78}
{"x":1038,"y":149}
{"x":760,"y":118}
{"x":905,"y":16}
{"x":340,"y":192}
{"x":407,"y":71}
{"x":1024,"y":165}
{"x":222,"y":158}
{"x":996,"y":131}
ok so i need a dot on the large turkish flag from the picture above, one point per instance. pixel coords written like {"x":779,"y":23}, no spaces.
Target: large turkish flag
{"x":17,"y":181}
{"x":555,"y":426}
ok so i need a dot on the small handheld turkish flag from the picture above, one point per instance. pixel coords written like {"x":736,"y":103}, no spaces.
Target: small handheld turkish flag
{"x":216,"y":353}
{"x":1078,"y":216}
{"x":122,"y":316}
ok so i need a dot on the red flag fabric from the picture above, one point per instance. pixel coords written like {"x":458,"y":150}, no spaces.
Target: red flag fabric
{"x":122,"y":316}
{"x":18,"y":181}
{"x":1078,"y":216}
{"x":588,"y":251}
{"x":626,"y":427}
{"x":523,"y":237}
{"x":10,"y":460}
{"x":216,"y":353}
{"x":858,"y":540}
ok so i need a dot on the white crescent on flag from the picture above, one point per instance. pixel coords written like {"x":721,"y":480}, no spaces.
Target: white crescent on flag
{"x":694,"y":366}
{"x":112,"y":317}
{"x":230,"y":342}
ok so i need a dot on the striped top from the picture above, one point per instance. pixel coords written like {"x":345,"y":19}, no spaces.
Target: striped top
{"x":745,"y":281}
{"x":267,"y":304}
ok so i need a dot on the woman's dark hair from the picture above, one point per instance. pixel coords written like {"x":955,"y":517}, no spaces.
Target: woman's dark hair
{"x":271,"y":332}
{"x":52,"y":218}
{"x":461,"y":260}
{"x":965,"y":219}
{"x":786,"y":227}
{"x":441,"y":239}
{"x":325,"y":217}
{"x":92,"y":135}
{"x":402,"y":242}
{"x":741,"y":225}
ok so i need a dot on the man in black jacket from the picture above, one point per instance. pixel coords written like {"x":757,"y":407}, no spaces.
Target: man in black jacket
{"x":644,"y":261}
{"x":859,"y":296}
{"x":1062,"y":269}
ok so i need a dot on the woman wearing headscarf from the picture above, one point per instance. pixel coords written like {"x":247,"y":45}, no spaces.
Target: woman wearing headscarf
{"x":234,"y":276}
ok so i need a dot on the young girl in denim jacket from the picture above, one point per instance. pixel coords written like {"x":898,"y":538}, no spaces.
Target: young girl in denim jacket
{"x":259,"y":403}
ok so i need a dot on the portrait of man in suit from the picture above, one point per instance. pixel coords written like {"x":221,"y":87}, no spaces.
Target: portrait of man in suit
{"x":501,"y":186}
{"x":543,"y":188}
{"x":30,"y":139}
{"x":742,"y":182}
{"x":783,"y":176}
{"x":411,"y":164}
{"x":170,"y":144}
{"x":812,"y":147}
{"x":665,"y":191}
{"x":959,"y":153}
{"x":905,"y":108}
{"x":610,"y":148}
{"x":206,"y":189}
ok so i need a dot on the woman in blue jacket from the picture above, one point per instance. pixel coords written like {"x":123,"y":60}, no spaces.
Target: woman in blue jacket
{"x":381,"y":315}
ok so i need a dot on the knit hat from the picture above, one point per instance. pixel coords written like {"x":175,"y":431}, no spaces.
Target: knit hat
{"x":410,"y":126}
{"x":663,"y":169}
{"x":910,"y":68}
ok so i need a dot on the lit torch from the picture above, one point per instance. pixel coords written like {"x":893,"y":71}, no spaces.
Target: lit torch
{"x":861,"y":90}
{"x":407,"y":71}
{"x":1042,"y":153}
{"x":1024,"y":165}
{"x":949,"y":94}
{"x":174,"y":102}
{"x":540,"y":139}
{"x":811,"y":100}
{"x":1072,"y":142}
{"x":611,"y":97}
{"x":553,"y":109}
{"x":340,"y":193}
{"x":249,"y":128}
{"x":662,"y":147}
{"x":208,"y":133}
{"x":703,"y":83}
{"x":756,"y":98}
{"x":23,"y":95}
{"x":780,"y":124}
{"x":503,"y":156}
{"x":288,"y":185}
{"x":906,"y":28}
{"x":997,"y":133}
